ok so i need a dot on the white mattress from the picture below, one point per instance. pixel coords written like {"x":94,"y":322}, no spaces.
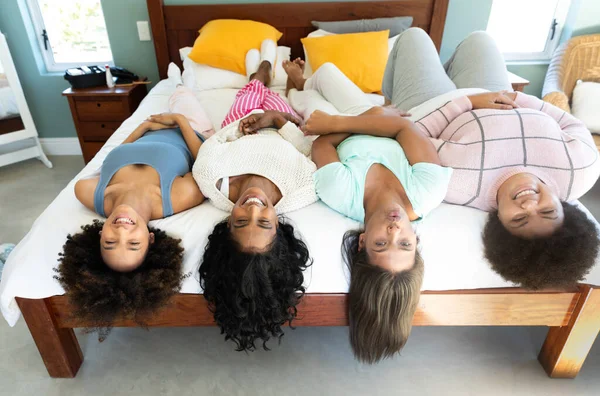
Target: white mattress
{"x":450,"y":235}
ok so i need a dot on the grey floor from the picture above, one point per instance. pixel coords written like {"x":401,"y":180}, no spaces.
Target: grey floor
{"x":309,"y":361}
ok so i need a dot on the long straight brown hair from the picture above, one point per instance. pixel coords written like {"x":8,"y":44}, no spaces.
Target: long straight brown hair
{"x":381,"y":303}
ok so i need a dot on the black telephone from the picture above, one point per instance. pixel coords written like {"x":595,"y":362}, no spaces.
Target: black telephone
{"x":94,"y":76}
{"x":124,"y":76}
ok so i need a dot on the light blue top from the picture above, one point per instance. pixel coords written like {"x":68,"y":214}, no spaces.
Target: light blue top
{"x":164,"y":150}
{"x":341,"y":185}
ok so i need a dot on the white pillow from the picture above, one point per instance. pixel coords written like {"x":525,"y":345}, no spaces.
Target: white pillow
{"x":586,"y":104}
{"x":203,"y":77}
{"x":320,"y":33}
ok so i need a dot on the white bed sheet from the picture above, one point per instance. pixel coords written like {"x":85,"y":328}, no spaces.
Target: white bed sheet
{"x":450,"y":235}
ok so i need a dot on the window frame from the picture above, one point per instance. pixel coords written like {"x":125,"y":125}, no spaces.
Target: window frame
{"x":35,"y":12}
{"x":552,"y":42}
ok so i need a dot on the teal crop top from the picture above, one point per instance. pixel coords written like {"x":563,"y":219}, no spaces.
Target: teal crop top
{"x":341,"y":185}
{"x":164,"y":150}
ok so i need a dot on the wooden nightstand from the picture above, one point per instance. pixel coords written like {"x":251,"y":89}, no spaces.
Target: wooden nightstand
{"x":518,"y":83}
{"x":98,"y":112}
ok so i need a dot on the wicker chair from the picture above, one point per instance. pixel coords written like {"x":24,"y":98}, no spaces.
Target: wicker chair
{"x":577,"y":59}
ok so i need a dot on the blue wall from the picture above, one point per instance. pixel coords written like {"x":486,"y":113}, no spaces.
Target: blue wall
{"x":51,"y":111}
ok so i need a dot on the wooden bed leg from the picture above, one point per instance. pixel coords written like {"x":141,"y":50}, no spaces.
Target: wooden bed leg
{"x":59,"y":347}
{"x":566,"y":347}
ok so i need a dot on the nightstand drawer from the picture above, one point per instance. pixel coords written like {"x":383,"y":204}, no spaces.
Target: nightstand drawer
{"x":97,"y":131}
{"x":90,"y":149}
{"x":102,"y":110}
{"x":99,"y":111}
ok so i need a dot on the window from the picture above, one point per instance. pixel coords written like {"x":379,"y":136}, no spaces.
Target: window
{"x":70,"y":33}
{"x":527,"y":29}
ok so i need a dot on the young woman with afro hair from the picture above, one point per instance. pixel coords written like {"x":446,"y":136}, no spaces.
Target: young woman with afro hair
{"x":122,"y":266}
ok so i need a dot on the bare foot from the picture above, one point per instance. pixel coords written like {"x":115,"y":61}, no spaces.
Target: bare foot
{"x":263,"y":74}
{"x":295,"y":72}
{"x":269,"y":119}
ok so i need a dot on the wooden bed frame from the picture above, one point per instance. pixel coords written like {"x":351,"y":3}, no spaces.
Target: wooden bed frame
{"x":573,"y":316}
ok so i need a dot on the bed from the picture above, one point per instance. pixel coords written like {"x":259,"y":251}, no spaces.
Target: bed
{"x":459,"y":287}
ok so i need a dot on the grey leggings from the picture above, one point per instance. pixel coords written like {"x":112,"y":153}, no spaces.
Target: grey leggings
{"x":414,"y":73}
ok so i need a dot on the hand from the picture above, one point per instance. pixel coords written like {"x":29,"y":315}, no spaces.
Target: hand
{"x":291,"y":118}
{"x":493,"y":100}
{"x":152,"y":126}
{"x":319,"y":123}
{"x":257,"y":121}
{"x":167,"y":119}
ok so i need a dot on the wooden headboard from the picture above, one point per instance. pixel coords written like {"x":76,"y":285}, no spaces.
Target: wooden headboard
{"x":176,"y":26}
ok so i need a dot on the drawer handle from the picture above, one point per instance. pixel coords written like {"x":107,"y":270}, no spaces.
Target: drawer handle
{"x":98,"y":104}
{"x":102,"y":126}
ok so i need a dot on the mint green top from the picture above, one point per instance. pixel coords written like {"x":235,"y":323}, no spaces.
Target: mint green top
{"x":341,"y":185}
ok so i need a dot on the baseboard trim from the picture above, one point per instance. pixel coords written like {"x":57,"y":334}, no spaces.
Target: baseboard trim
{"x":61,"y":146}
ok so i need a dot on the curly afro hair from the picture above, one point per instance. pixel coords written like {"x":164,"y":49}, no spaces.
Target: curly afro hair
{"x":99,"y":294}
{"x":558,"y":261}
{"x":253,"y":294}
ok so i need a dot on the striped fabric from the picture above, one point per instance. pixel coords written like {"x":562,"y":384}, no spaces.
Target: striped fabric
{"x":486,"y":147}
{"x":255,"y":96}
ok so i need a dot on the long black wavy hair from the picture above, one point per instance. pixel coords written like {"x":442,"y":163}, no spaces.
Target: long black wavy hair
{"x":253,"y":294}
{"x":98,"y":294}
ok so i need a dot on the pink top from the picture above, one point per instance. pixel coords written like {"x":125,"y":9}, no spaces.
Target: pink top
{"x":486,"y":147}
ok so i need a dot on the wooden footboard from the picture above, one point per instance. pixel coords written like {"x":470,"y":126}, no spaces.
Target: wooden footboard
{"x":573,"y":318}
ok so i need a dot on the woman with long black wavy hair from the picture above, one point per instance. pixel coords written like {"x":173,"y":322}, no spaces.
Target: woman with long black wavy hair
{"x":256,"y":169}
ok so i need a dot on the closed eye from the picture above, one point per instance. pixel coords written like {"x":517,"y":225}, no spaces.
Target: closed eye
{"x":266,"y":224}
{"x":549,"y":214}
{"x":240,"y":223}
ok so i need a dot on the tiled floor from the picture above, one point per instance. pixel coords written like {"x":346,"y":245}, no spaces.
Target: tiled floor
{"x":309,"y":361}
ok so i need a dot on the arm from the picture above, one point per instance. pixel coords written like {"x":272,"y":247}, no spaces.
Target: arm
{"x":185,"y":193}
{"x":416,"y":146}
{"x":192,"y":140}
{"x":292,"y":134}
{"x":139,"y":132}
{"x":84,"y":191}
{"x":434,"y":123}
{"x":324,"y":149}
{"x":570,"y":126}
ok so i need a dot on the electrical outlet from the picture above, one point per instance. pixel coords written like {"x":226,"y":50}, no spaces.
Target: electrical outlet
{"x":143,"y":30}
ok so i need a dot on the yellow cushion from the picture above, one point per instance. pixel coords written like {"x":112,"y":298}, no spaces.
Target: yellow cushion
{"x":360,"y":56}
{"x":223,"y":43}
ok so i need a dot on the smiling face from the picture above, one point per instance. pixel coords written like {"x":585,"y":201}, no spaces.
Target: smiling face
{"x":124,"y":239}
{"x":528,"y":208}
{"x":253,"y":222}
{"x":389,"y":239}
